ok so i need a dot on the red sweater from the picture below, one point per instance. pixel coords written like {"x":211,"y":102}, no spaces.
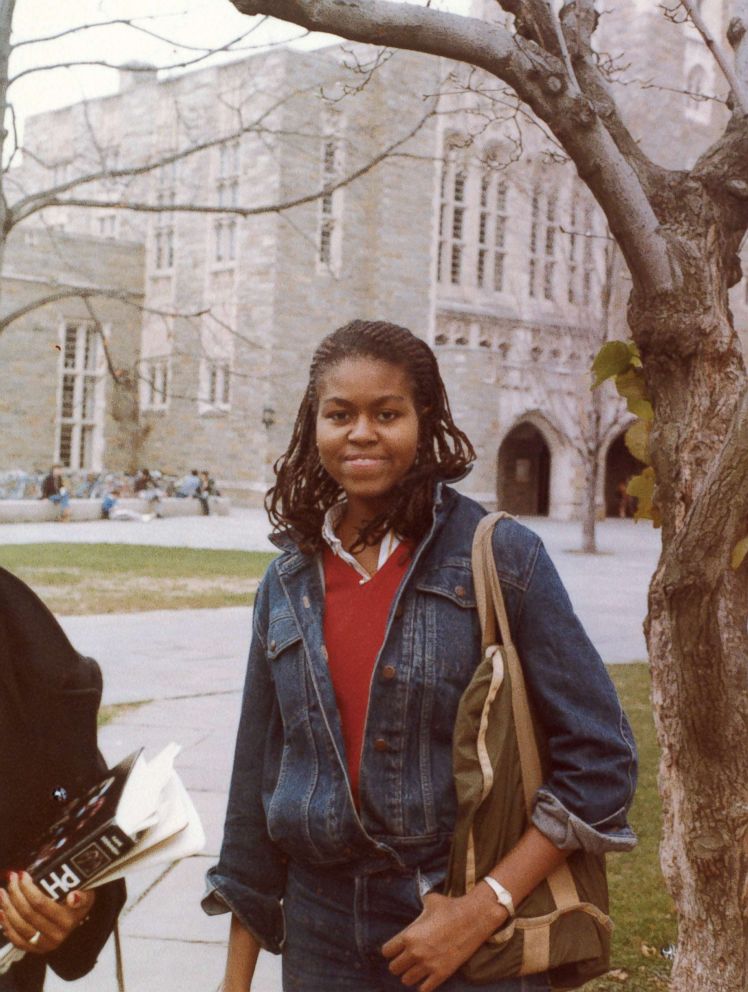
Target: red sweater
{"x":354,"y":627}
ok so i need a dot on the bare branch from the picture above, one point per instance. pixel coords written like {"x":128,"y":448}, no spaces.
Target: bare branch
{"x":134,"y":67}
{"x":62,"y":294}
{"x":534,"y":21}
{"x":14,"y":125}
{"x":739,"y":91}
{"x":38,"y":201}
{"x":617,"y":180}
{"x":388,"y":152}
{"x":91,"y":293}
{"x":132,"y":23}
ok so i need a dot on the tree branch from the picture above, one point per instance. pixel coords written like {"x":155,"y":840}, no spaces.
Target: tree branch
{"x":539,"y":79}
{"x":140,"y":207}
{"x":739,"y":91}
{"x":133,"y":67}
{"x":91,"y":293}
{"x":38,"y":201}
{"x":132,"y":23}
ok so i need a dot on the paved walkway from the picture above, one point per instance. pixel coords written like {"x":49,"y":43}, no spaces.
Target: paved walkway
{"x":189,"y":665}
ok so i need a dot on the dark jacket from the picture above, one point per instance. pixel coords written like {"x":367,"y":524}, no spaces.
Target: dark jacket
{"x":51,"y":485}
{"x":49,"y":698}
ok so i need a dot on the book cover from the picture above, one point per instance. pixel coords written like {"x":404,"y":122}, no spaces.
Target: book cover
{"x":139,"y":814}
{"x":86,"y":838}
{"x":84,"y":841}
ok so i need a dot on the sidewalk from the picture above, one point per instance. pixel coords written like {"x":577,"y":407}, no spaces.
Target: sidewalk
{"x":189,"y":665}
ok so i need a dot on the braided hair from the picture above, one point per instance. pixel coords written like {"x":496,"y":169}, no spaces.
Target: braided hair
{"x":304,"y":492}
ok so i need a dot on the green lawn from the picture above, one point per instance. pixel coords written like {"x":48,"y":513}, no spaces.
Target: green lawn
{"x":124,"y":578}
{"x":641,"y":909}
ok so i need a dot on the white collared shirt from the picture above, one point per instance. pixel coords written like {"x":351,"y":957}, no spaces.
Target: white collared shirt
{"x":390,"y":542}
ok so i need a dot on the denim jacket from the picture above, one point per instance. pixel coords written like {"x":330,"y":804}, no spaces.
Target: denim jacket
{"x":290,"y":796}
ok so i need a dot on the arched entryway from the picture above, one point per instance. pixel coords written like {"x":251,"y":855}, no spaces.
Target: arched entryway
{"x":620,"y":466}
{"x":524,"y":472}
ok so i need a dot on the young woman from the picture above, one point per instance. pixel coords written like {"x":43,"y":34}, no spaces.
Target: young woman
{"x":341,"y":806}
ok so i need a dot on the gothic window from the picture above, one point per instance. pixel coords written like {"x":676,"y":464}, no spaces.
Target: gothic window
{"x":228,"y":170}
{"x":492,"y":224}
{"x":77,"y":425}
{"x":110,"y":163}
{"x":154,"y":379}
{"x":542,"y":244}
{"x":582,"y":240}
{"x":106,"y":225}
{"x":329,"y":229}
{"x":453,"y":217}
{"x":697,"y":85}
{"x":218,"y":376}
{"x":166,"y":191}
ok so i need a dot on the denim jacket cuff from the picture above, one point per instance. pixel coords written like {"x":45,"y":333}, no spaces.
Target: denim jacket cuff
{"x":260,"y":914}
{"x":568,"y":833}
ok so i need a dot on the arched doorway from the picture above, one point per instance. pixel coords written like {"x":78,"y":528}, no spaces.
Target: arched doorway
{"x":620,"y":465}
{"x":524,"y":472}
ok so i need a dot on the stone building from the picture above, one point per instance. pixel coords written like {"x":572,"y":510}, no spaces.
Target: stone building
{"x":499,"y":259}
{"x":58,"y":400}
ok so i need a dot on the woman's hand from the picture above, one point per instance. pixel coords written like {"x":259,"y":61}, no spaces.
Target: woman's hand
{"x":35,"y":923}
{"x":444,"y":936}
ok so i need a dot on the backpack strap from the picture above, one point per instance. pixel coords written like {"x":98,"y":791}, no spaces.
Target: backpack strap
{"x":492,"y":610}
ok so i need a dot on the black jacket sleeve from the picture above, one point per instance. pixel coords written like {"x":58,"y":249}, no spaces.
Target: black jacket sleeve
{"x":78,"y":954}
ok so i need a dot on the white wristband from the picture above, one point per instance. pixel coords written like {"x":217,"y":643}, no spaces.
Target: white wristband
{"x":503,"y":895}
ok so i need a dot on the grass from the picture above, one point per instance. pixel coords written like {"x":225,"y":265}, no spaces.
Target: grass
{"x":642,"y":910}
{"x":123,"y":578}
{"x":108,"y":713}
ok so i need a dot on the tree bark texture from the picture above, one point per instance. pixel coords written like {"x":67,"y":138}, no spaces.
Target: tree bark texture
{"x":680,"y":234}
{"x":696,"y":625}
{"x":589,"y":506}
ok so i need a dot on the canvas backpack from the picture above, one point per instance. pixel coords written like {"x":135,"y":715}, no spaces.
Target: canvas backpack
{"x":563,"y":926}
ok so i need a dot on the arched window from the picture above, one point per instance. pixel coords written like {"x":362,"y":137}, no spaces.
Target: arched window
{"x":492,"y":227}
{"x":697,"y":86}
{"x":582,"y":239}
{"x":452,"y":220}
{"x":543,"y":230}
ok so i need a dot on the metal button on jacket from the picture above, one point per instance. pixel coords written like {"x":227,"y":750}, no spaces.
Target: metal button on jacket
{"x":380,"y":744}
{"x":389,"y":672}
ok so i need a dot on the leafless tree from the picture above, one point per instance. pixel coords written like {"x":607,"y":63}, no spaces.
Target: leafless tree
{"x":125,"y":181}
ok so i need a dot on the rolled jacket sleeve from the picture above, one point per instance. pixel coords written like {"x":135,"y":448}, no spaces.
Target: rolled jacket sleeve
{"x":250,"y":877}
{"x":592,"y":761}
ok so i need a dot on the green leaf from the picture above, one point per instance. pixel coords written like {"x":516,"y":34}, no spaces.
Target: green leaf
{"x":636,"y":358}
{"x":630,"y":384}
{"x":642,"y":488}
{"x":739,"y":552}
{"x":642,"y":409}
{"x":613,"y":358}
{"x":636,"y":440}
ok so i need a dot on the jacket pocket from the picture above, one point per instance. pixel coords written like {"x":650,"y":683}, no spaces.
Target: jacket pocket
{"x":282,"y":634}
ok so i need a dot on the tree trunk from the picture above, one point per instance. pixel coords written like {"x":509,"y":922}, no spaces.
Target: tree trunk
{"x":589,"y":507}
{"x":696,"y":630}
{"x":6,"y":20}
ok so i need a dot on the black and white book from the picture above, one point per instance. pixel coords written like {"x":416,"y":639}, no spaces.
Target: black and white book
{"x":139,"y":814}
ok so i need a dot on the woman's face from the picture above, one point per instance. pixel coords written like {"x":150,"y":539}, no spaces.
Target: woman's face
{"x":367,"y":429}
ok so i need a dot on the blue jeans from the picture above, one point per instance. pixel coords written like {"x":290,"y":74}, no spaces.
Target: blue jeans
{"x":60,"y":499}
{"x":336,"y":925}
